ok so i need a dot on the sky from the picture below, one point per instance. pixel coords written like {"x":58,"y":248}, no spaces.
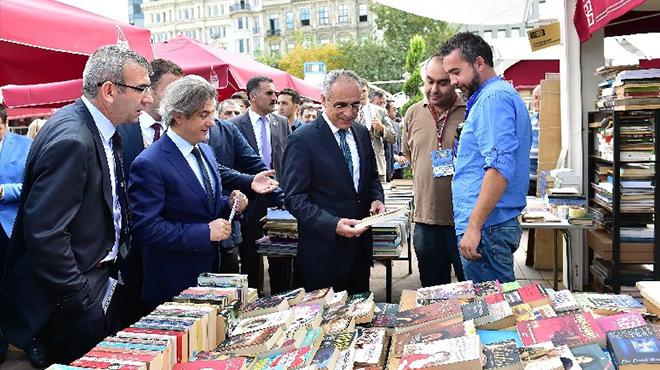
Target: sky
{"x":115,"y":9}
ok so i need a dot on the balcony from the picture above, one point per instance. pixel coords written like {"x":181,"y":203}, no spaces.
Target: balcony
{"x":240,"y":7}
{"x":273,"y":32}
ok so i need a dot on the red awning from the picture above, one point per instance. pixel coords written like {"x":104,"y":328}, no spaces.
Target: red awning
{"x":592,"y":15}
{"x":46,"y":41}
{"x":231,"y":70}
{"x":528,"y":73}
{"x":49,"y":95}
{"x":18,"y":113}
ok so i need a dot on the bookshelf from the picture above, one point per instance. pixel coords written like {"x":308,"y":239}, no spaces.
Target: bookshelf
{"x":622,"y":250}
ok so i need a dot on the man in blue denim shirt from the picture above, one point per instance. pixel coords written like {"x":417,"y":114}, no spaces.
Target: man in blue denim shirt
{"x":492,"y":163}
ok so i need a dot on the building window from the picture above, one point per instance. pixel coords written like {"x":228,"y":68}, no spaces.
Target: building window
{"x":157,"y":17}
{"x":324,"y":39}
{"x":324,"y":17}
{"x":288,"y":19}
{"x":342,"y":13}
{"x":275,"y":48}
{"x":362,"y":13}
{"x":488,"y":34}
{"x":164,"y":19}
{"x":239,"y":23}
{"x":240,"y":46}
{"x":501,"y":34}
{"x":344,"y":37}
{"x":274,"y":22}
{"x":151,"y":18}
{"x":515,"y":32}
{"x":290,"y":46}
{"x":304,"y":16}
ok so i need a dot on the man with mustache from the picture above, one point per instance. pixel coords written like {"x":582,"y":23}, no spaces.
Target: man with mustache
{"x":492,"y":163}
{"x":429,"y":130}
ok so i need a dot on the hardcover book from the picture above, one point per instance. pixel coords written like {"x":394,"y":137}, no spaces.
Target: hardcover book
{"x":591,"y":357}
{"x":634,"y":348}
{"x":461,"y":352}
{"x":424,"y":315}
{"x":265,"y":305}
{"x":570,"y":330}
{"x":542,"y":356}
{"x":502,"y":356}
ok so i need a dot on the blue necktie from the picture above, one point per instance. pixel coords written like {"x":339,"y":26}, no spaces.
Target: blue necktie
{"x":346,"y":150}
{"x":265,"y":144}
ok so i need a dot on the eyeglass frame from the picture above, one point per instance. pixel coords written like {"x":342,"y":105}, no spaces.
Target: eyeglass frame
{"x":143,"y":89}
{"x":342,"y":106}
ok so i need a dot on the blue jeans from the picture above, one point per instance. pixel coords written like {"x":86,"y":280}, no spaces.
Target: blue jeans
{"x":436,"y":250}
{"x":498,"y":242}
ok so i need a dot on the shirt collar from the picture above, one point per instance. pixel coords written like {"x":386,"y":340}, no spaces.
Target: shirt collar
{"x":184,"y":146}
{"x":254,"y":117}
{"x":146,"y":120}
{"x":103,"y":124}
{"x":333,"y":128}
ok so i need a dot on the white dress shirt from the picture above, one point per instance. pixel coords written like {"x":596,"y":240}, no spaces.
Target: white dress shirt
{"x":256,"y":127}
{"x":186,"y":150}
{"x":146,"y":121}
{"x":107,"y":130}
{"x":352,"y":145}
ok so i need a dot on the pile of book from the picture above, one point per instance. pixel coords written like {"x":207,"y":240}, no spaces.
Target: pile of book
{"x":453,"y":326}
{"x":636,"y":196}
{"x":281,"y":230}
{"x":628,"y":88}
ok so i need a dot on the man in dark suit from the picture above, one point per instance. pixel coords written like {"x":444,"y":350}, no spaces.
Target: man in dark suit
{"x":73,"y":221}
{"x":266,"y":133}
{"x":176,"y":194}
{"x":331,"y":181}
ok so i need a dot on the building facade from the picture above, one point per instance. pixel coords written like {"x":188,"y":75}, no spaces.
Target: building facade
{"x":254,"y":27}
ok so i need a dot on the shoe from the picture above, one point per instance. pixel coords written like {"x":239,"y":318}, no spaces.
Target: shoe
{"x":36,"y":355}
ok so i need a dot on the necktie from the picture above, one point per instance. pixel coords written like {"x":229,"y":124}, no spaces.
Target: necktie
{"x":122,"y":195}
{"x":343,"y":144}
{"x":156,"y":127}
{"x":265,"y":144}
{"x":205,"y":176}
{"x":361,"y":118}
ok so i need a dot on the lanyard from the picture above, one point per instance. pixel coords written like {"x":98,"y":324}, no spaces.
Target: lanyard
{"x":475,"y":96}
{"x":442,"y":120}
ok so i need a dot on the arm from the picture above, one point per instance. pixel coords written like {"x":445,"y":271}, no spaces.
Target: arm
{"x":11,"y":193}
{"x":389,"y":134}
{"x":147,"y":195}
{"x":297,"y":171}
{"x":497,"y":143}
{"x":234,"y":180}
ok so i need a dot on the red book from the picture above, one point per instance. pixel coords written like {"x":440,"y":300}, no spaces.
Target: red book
{"x":494,"y":298}
{"x":152,"y":361}
{"x":237,"y":363}
{"x":101,"y":364}
{"x":534,"y":295}
{"x":571,"y":330}
{"x":182,"y":353}
{"x":620,"y":321}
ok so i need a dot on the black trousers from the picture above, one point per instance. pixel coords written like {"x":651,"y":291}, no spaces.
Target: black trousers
{"x":356,"y":281}
{"x":4,"y":244}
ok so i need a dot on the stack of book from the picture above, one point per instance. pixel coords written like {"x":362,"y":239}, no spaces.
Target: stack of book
{"x":281,"y":230}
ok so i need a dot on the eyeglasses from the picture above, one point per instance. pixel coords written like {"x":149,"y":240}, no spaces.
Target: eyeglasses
{"x":342,"y":106}
{"x":144,"y":89}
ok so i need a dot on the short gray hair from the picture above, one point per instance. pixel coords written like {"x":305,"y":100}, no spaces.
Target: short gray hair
{"x":227,"y":102}
{"x":336,"y":75}
{"x":107,"y":64}
{"x":187,"y":96}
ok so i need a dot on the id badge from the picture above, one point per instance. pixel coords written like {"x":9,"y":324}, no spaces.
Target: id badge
{"x":443,"y":163}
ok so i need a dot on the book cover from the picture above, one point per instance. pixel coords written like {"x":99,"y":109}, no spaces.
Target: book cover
{"x":608,"y":302}
{"x":534,"y":295}
{"x":252,"y":343}
{"x":319,"y":296}
{"x":634,"y":346}
{"x":502,"y":355}
{"x":92,"y":363}
{"x":494,"y":336}
{"x":487,"y":288}
{"x":360,"y":297}
{"x":339,"y":325}
{"x":385,"y":315}
{"x":542,"y":356}
{"x":458,"y":290}
{"x":620,"y":321}
{"x":182,"y":351}
{"x":567,"y":358}
{"x":308,"y":315}
{"x":513,"y":298}
{"x":255,"y":323}
{"x":419,"y":316}
{"x":152,"y":361}
{"x":293,"y":359}
{"x":591,"y":357}
{"x":525,"y":312}
{"x":431,"y":333}
{"x":465,"y":351}
{"x":370,"y":347}
{"x":476,"y":310}
{"x":264,"y":306}
{"x":571,"y":330}
{"x":338,"y":298}
{"x":510,"y":286}
{"x":293,"y":297}
{"x":345,"y":344}
{"x":563,"y":301}
{"x":235,"y":363}
{"x":362,"y":311}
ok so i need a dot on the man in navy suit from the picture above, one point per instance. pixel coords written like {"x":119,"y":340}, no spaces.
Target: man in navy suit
{"x":176,"y":195}
{"x":73,"y":221}
{"x":330,"y":179}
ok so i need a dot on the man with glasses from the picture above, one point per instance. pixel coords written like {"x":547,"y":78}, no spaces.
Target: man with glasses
{"x":73,"y":222}
{"x":492,"y":163}
{"x":331,"y":181}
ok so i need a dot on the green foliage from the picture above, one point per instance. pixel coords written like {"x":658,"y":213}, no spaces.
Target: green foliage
{"x":414,"y":82}
{"x":374,"y":61}
{"x":271,"y":59}
{"x":416,"y":53}
{"x":294,"y":61}
{"x":399,"y":27}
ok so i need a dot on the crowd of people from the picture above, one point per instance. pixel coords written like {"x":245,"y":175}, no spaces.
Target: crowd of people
{"x":125,"y":196}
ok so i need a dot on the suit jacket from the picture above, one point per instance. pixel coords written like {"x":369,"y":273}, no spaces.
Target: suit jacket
{"x":319,"y":191}
{"x":232,"y":150}
{"x":171,"y":215}
{"x":63,"y":228}
{"x":12,"y":165}
{"x":378,"y":138}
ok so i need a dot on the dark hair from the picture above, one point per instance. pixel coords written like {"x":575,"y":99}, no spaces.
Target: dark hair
{"x":305,"y":107}
{"x":295,"y":97}
{"x":388,"y":103}
{"x":254,"y":82}
{"x":470,"y":46}
{"x":375,"y":94}
{"x":3,"y":114}
{"x":161,"y":67}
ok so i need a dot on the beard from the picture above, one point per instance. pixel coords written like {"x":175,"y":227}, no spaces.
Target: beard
{"x":468,"y":90}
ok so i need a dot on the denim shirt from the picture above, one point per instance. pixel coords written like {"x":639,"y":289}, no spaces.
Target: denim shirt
{"x":497,"y":134}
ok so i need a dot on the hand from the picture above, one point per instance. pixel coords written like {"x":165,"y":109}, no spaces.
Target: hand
{"x":376,"y":207}
{"x":220,"y":230}
{"x":345,"y":228}
{"x":469,"y":243}
{"x":377,"y":124}
{"x":263,"y":183}
{"x":400,"y":159}
{"x":242,"y":201}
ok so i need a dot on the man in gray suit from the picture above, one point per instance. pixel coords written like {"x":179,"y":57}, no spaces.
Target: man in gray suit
{"x":267,"y":133}
{"x":375,"y":119}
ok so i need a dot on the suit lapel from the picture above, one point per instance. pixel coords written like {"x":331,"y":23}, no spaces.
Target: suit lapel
{"x":7,"y":149}
{"x":176,"y":159}
{"x":100,"y":151}
{"x":362,"y":152}
{"x":328,"y":139}
{"x":246,"y":127}
{"x":207,"y":152}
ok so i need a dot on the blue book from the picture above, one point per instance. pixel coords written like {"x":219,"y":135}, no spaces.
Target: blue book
{"x":493,"y":336}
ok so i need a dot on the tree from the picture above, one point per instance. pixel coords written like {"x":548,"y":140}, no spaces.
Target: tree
{"x":416,"y":54}
{"x":271,"y":59}
{"x":295,"y":59}
{"x":374,"y":61}
{"x":399,"y":27}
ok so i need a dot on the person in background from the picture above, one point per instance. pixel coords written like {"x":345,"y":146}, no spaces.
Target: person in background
{"x":399,"y":160}
{"x":34,"y":127}
{"x":534,"y":152}
{"x":59,"y":269}
{"x":429,"y":132}
{"x":228,"y":109}
{"x":492,"y":163}
{"x":374,"y":118}
{"x":289,"y":106}
{"x":331,"y":181}
{"x":308,"y":113}
{"x":242,"y":100}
